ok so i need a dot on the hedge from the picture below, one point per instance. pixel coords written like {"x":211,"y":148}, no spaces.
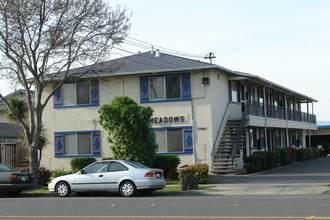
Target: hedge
{"x":199,"y":171}
{"x":255,"y":163}
{"x":272,"y":158}
{"x":79,"y":163}
{"x":266,"y":160}
{"x":167,"y":162}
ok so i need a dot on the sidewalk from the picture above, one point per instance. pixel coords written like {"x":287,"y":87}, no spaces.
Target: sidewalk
{"x":266,"y":189}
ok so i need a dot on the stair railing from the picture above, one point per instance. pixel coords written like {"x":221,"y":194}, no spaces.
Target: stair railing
{"x":239,"y":136}
{"x":218,"y":133}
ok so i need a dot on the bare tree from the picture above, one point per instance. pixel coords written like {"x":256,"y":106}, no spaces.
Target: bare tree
{"x":41,"y":40}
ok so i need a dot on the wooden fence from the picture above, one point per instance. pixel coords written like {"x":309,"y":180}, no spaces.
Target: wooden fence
{"x":14,"y":155}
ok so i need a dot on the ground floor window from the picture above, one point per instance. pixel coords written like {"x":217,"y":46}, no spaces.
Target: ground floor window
{"x":174,"y":140}
{"x":77,"y":143}
{"x":276,"y":137}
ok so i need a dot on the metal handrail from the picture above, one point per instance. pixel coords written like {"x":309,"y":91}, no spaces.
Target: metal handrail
{"x":216,"y":138}
{"x":239,"y":135}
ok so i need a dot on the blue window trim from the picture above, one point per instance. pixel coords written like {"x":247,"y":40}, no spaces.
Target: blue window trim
{"x":166,"y":100}
{"x":187,"y":152}
{"x":75,"y":106}
{"x":82,"y":155}
{"x":233,"y":102}
{"x":93,"y":90}
{"x":92,"y":132}
{"x":68,"y":132}
{"x":184,"y":128}
{"x":183,"y":97}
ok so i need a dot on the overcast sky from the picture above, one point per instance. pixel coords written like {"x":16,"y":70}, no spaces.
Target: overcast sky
{"x":284,"y":41}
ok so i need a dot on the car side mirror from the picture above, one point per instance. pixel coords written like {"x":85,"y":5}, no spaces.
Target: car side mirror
{"x":81,"y":172}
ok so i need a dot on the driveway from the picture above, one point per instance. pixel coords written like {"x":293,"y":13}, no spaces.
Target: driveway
{"x":312,"y":171}
{"x":307,"y":177}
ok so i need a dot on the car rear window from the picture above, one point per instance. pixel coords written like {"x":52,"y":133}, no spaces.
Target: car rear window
{"x":136,"y":164}
{"x":5,"y":168}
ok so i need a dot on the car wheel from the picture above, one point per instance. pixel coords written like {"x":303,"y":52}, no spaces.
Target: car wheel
{"x":127,"y":189}
{"x":63,"y":189}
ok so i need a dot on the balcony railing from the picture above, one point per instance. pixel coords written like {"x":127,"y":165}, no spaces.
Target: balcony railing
{"x":277,"y":112}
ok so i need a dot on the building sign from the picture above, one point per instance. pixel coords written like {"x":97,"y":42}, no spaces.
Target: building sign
{"x":180,"y":119}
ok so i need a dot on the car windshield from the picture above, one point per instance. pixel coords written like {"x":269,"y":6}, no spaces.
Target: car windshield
{"x":136,"y":164}
{"x":6,"y":168}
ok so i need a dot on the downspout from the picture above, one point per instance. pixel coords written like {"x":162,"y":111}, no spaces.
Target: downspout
{"x":194,"y":130}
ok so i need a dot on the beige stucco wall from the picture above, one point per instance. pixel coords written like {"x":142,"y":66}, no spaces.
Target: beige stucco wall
{"x":201,"y":112}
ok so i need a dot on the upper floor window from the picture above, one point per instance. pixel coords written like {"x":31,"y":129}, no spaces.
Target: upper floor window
{"x":234,"y":91}
{"x":165,"y":88}
{"x":82,"y":93}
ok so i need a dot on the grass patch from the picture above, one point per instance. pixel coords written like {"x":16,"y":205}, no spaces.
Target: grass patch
{"x":178,"y":188}
{"x":41,"y":190}
{"x":172,"y":182}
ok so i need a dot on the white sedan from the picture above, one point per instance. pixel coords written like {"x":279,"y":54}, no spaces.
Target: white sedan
{"x":126,"y":177}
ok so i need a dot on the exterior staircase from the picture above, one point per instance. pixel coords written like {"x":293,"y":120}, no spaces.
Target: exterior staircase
{"x":223,"y":162}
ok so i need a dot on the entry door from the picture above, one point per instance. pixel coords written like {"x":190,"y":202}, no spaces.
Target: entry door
{"x":93,"y":178}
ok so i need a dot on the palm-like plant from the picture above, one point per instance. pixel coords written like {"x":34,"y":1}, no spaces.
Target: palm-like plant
{"x":21,"y":109}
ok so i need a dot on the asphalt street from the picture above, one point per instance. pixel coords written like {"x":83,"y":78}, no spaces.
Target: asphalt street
{"x":297,"y":191}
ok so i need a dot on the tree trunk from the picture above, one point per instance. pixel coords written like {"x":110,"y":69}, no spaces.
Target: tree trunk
{"x":34,"y":166}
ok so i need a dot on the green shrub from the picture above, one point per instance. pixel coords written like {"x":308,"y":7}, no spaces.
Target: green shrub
{"x":301,"y":154}
{"x":79,"y":163}
{"x":199,"y":171}
{"x":272,"y":158}
{"x":107,"y":158}
{"x":285,"y":155}
{"x":315,"y":152}
{"x":255,"y":163}
{"x":326,"y":149}
{"x":321,"y":152}
{"x":61,"y":172}
{"x":44,"y":176}
{"x":307,"y":154}
{"x":166,"y":162}
{"x":294,"y":153}
{"x":282,"y":160}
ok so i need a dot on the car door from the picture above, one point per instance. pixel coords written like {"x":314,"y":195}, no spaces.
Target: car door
{"x":92,"y":178}
{"x":116,"y":172}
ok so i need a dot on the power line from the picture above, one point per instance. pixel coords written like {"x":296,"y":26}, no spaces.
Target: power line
{"x":165,"y":49}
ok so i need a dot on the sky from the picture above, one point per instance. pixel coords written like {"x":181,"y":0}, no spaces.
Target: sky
{"x":284,"y":41}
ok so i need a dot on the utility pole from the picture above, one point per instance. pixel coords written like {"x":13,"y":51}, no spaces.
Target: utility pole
{"x":210,"y":56}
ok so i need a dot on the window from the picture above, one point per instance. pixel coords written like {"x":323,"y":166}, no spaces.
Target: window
{"x":71,"y":94}
{"x":100,"y":167}
{"x":234,"y":87}
{"x":116,"y":167}
{"x":165,"y":88}
{"x":77,"y":143}
{"x":174,"y":140}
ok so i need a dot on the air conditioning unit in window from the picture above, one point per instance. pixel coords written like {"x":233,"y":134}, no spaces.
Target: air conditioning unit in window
{"x":206,"y":80}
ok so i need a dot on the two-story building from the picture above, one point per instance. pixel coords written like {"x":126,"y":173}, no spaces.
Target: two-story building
{"x":203,"y":112}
